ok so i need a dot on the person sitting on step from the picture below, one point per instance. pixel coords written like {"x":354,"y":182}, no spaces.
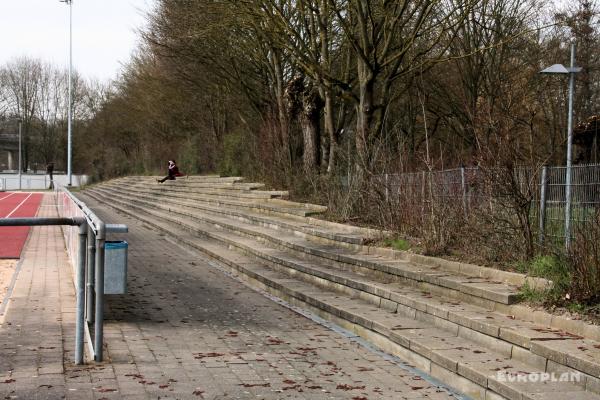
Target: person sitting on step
{"x":173,"y":172}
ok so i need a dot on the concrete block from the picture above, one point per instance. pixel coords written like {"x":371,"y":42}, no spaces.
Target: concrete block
{"x":490,"y":395}
{"x":388,"y":305}
{"x":526,"y":356}
{"x":489,"y":342}
{"x":457,"y":382}
{"x":592,"y":384}
{"x":522,"y":333}
{"x":405,"y":311}
{"x":561,"y":396}
{"x":580,"y":354}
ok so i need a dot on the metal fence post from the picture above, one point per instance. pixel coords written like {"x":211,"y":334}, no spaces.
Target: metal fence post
{"x":80,"y":294}
{"x":99,"y":286}
{"x":542,"y":206}
{"x":90,"y":275}
{"x":423,"y":196}
{"x":463,"y":184}
{"x":387,"y":189}
{"x":568,"y":208}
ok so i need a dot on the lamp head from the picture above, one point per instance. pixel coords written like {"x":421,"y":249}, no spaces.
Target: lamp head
{"x":555,"y":69}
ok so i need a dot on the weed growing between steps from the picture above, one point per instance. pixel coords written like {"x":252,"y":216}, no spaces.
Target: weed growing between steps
{"x":575,"y":275}
{"x":551,"y":267}
{"x":397,"y":243}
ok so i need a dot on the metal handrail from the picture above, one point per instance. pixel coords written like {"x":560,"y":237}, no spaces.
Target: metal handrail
{"x":90,"y":269}
{"x":93,"y":220}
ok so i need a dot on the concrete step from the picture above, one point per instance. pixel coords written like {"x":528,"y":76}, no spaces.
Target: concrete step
{"x":190,"y":178}
{"x":472,"y":289}
{"x":447,"y":352}
{"x":245,"y":191}
{"x":268,"y":206}
{"x":502,"y":332}
{"x":188,"y":182}
{"x":242,"y":190}
{"x":336,"y":234}
{"x":348,"y":231}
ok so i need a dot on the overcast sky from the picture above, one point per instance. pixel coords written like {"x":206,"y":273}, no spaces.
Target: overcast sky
{"x":103,"y":32}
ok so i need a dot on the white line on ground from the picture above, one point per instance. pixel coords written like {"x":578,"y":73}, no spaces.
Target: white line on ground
{"x":11,"y":286}
{"x":20,"y":204}
{"x":7,"y":196}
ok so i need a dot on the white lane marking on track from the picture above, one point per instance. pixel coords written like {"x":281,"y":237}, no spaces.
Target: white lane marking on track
{"x":20,"y":204}
{"x":7,"y":196}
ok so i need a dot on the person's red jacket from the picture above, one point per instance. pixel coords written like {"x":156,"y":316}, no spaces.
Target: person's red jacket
{"x":174,"y":170}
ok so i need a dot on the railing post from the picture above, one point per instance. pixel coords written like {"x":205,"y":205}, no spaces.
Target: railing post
{"x":99,"y":286}
{"x":80,"y":294}
{"x":542,"y":206}
{"x":90,"y":275}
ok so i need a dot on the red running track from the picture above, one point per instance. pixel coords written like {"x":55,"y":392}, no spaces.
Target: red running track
{"x":15,"y":205}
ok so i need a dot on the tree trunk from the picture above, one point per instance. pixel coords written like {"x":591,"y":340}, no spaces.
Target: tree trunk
{"x":282,"y":110}
{"x":326,"y":92}
{"x":311,"y":130}
{"x":331,"y":131}
{"x":364,"y":115}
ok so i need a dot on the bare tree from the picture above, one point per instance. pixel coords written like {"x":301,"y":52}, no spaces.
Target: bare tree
{"x":20,"y":81}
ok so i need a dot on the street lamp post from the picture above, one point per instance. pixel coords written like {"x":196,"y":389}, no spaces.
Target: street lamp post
{"x":20,"y":163}
{"x":572,"y":70}
{"x":69,"y":109}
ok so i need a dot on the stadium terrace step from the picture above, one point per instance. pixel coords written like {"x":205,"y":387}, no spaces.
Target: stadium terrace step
{"x":483,"y":353}
{"x":268,"y":206}
{"x":191,"y":178}
{"x":479,"y":290}
{"x":341,"y":235}
{"x":235,"y":190}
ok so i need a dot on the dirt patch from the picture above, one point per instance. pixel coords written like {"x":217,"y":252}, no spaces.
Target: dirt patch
{"x":7,"y":269}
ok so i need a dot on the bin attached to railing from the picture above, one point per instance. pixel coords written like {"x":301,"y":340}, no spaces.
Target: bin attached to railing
{"x":115,"y":267}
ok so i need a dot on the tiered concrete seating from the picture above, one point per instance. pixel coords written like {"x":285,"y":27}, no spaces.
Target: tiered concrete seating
{"x":460,"y":323}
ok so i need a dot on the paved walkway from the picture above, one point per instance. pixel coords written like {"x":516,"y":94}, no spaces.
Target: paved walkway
{"x":184,"y":331}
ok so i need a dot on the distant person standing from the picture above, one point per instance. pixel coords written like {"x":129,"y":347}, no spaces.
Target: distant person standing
{"x":173,"y":171}
{"x":50,"y":171}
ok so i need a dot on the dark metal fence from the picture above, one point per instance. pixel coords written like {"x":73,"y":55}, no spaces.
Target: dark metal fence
{"x":542,"y":189}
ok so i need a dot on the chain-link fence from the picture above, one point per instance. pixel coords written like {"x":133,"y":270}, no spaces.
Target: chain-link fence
{"x":542,"y":191}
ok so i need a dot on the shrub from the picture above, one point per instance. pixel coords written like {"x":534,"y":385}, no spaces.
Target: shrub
{"x":584,"y":262}
{"x":232,"y":156}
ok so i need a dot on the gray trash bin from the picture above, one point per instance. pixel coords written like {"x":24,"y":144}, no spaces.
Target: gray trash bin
{"x":115,"y":267}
